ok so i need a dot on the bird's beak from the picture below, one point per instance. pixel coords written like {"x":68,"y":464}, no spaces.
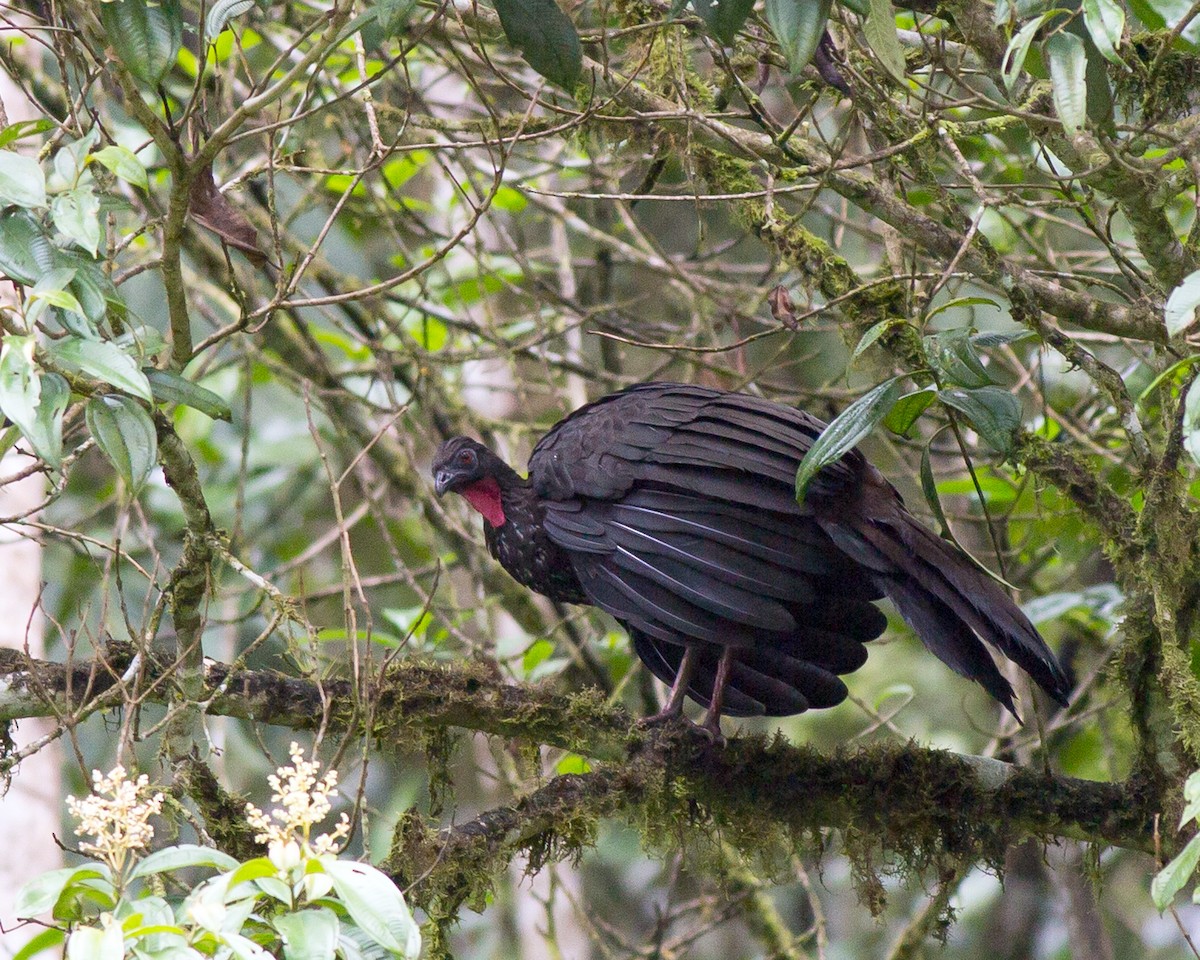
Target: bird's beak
{"x":441,"y":481}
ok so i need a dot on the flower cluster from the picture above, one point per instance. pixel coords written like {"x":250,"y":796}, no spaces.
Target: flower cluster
{"x":304,"y":801}
{"x":116,"y":815}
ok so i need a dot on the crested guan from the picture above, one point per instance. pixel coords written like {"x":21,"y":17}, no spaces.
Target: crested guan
{"x":672,"y":507}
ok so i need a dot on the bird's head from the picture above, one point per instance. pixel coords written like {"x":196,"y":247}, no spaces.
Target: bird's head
{"x":459,"y":463}
{"x":467,"y":467}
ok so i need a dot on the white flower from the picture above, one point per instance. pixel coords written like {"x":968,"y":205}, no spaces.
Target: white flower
{"x":116,"y":815}
{"x":304,"y":801}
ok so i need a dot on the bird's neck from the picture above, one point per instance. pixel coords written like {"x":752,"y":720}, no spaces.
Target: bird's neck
{"x":492,"y":494}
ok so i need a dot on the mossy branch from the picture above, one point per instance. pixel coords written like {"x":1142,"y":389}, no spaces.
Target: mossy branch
{"x":910,"y":799}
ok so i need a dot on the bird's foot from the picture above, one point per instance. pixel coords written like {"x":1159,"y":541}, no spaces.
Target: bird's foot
{"x":662,"y":719}
{"x":710,"y":730}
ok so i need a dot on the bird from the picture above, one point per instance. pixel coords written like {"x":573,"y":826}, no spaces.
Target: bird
{"x":673,"y":508}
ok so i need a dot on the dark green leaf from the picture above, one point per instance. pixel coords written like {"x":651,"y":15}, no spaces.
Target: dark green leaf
{"x":105,"y":361}
{"x":724,"y":18}
{"x":861,"y":7}
{"x":1018,"y":48}
{"x":392,"y":15}
{"x":125,"y":434}
{"x":929,"y":489}
{"x":880,"y":31}
{"x":170,"y":387}
{"x":1066,"y":59}
{"x":994,"y":413}
{"x":46,"y":433}
{"x":908,"y":409}
{"x":954,"y":356}
{"x":22,"y":182}
{"x":798,"y":25}
{"x":546,"y":38}
{"x":145,"y":34}
{"x":1148,"y":14}
{"x":24,"y":128}
{"x":26,"y":253}
{"x":847,"y":428}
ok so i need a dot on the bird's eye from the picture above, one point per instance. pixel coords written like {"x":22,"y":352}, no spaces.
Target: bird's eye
{"x":466,"y":457}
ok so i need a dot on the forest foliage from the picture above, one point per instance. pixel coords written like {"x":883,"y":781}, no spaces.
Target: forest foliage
{"x":266,"y":255}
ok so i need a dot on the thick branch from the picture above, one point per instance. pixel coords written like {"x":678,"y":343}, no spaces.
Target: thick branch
{"x":889,"y":791}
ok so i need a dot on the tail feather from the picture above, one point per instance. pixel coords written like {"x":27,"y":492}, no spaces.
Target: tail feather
{"x":950,"y":603}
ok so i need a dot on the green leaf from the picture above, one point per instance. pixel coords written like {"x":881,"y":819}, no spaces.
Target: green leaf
{"x":1171,"y":879}
{"x":51,"y":291}
{"x":929,"y":489}
{"x":376,"y":906}
{"x":255,"y":869}
{"x":573,"y":763}
{"x":125,"y":434}
{"x":880,"y":31}
{"x":954,"y":356}
{"x":308,"y":934}
{"x":876,"y":331}
{"x":1067,"y":62}
{"x":91,"y":943}
{"x":76,"y":214}
{"x":961,"y":302}
{"x":989,"y":340}
{"x":42,"y":942}
{"x":1105,"y":21}
{"x":180,"y":856}
{"x":1180,"y":312}
{"x":26,"y":253}
{"x":24,"y":128}
{"x":1146,"y":12}
{"x":42,"y":892}
{"x":220,"y":13}
{"x":994,"y":413}
{"x":908,"y":409}
{"x":46,"y":431}
{"x":170,"y":387}
{"x":1018,"y":48}
{"x":123,"y":163}
{"x":546,"y":38}
{"x":724,"y":18}
{"x":21,"y":180}
{"x":1191,"y":421}
{"x":33,"y":402}
{"x":538,"y":651}
{"x":847,"y":428}
{"x":145,"y":34}
{"x":392,"y":15}
{"x":104,"y":361}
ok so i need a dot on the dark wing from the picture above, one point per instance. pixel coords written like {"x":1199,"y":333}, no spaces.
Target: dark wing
{"x":676,"y":508}
{"x":676,"y":505}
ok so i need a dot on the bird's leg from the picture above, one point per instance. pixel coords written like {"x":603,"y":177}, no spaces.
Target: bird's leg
{"x":712,"y":721}
{"x":674,"y":705}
